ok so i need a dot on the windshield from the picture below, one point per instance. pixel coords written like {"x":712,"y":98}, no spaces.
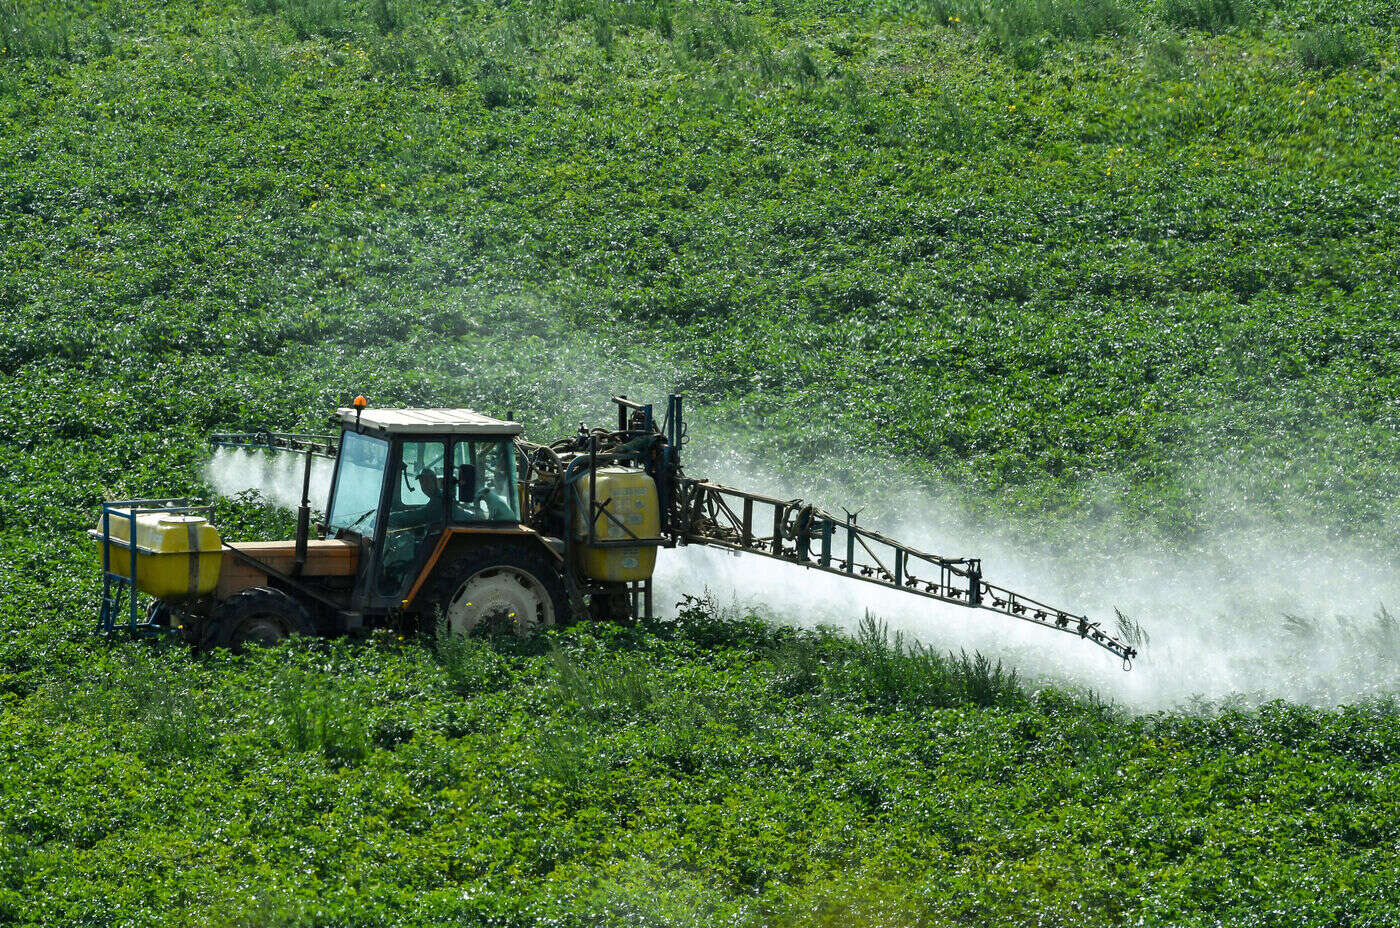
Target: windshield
{"x":358,"y":482}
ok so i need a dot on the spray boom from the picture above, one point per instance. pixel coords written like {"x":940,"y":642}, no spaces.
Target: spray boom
{"x":799,"y":533}
{"x":699,"y":512}
{"x":324,"y":446}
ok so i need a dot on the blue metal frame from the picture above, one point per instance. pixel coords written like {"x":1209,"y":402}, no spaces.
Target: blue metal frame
{"x":119,"y":592}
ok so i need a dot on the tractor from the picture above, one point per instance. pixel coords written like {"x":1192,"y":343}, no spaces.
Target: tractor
{"x":447,"y":519}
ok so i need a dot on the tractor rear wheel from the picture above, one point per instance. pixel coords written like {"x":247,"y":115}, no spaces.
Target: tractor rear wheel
{"x":497,"y":589}
{"x":258,"y":616}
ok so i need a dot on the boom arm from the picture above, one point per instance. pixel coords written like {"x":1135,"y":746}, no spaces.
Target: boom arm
{"x":790,"y":530}
{"x":298,"y":442}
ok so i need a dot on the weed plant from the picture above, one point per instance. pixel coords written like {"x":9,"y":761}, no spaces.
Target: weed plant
{"x":258,"y":64}
{"x":30,"y":31}
{"x":707,"y":33}
{"x":325,"y":724}
{"x":470,"y":664}
{"x":1021,"y":20}
{"x":887,"y":672}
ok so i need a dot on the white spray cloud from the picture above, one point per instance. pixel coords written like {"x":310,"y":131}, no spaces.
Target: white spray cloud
{"x":1258,"y":612}
{"x":275,"y":475}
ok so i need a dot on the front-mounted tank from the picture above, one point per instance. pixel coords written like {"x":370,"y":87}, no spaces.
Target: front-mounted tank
{"x":172,"y":553}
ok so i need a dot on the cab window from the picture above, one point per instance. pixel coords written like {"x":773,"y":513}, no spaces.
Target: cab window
{"x":417,"y":510}
{"x":417,"y":497}
{"x":492,"y":495}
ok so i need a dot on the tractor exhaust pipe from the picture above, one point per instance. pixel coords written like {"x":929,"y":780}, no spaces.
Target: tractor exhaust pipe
{"x":303,"y":520}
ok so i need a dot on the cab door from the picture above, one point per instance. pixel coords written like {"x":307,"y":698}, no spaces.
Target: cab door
{"x":415,"y":514}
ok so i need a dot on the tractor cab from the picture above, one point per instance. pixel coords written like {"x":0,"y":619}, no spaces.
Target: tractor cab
{"x":403,"y":477}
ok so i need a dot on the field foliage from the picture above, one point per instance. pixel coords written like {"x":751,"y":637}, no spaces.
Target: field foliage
{"x":1068,"y":256}
{"x":708,"y":770}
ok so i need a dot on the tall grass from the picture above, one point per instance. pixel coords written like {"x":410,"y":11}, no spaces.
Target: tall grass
{"x":1377,"y":639}
{"x":705,"y":35}
{"x":609,"y":15}
{"x":450,"y":58}
{"x":329,"y":18}
{"x":1022,"y":29}
{"x":389,"y":16}
{"x":1020,"y":20}
{"x":563,"y":756}
{"x":1215,"y":16}
{"x":1167,"y":58}
{"x":333,"y":19}
{"x":29,"y":30}
{"x":500,"y":87}
{"x":170,"y":721}
{"x":176,"y":728}
{"x":471,"y":664}
{"x":149,"y":700}
{"x":1329,"y":49}
{"x":325,"y":723}
{"x":953,"y":12}
{"x":260,"y":65}
{"x":887,"y":671}
{"x":1130,"y":631}
{"x":617,"y":688}
{"x":800,"y":668}
{"x":677,"y":740}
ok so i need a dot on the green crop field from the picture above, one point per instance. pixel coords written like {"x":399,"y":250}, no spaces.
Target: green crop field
{"x":1101,"y":275}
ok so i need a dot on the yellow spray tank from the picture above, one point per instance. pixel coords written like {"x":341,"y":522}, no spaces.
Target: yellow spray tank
{"x":631,"y":501}
{"x":178,"y":555}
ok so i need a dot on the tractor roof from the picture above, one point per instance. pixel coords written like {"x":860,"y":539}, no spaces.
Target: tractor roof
{"x":430,"y":422}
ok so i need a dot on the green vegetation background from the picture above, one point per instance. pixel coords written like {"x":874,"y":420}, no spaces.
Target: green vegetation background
{"x":1034,"y":248}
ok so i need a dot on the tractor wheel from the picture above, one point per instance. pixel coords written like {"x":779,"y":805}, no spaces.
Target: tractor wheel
{"x":258,"y":616}
{"x":496,"y":589}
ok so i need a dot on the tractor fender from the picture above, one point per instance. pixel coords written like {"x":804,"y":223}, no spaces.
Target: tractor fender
{"x":458,"y":539}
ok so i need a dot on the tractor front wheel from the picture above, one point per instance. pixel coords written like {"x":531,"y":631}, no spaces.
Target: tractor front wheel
{"x":496,"y":589}
{"x":258,"y":616}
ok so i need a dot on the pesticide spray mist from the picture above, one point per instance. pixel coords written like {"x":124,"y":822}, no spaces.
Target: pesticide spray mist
{"x":277,"y":477}
{"x":1251,"y":614}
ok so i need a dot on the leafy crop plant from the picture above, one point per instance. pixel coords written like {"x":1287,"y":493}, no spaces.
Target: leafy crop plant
{"x":1110,"y":285}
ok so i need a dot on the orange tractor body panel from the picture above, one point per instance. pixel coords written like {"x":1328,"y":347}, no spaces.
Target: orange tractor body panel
{"x":330,"y":557}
